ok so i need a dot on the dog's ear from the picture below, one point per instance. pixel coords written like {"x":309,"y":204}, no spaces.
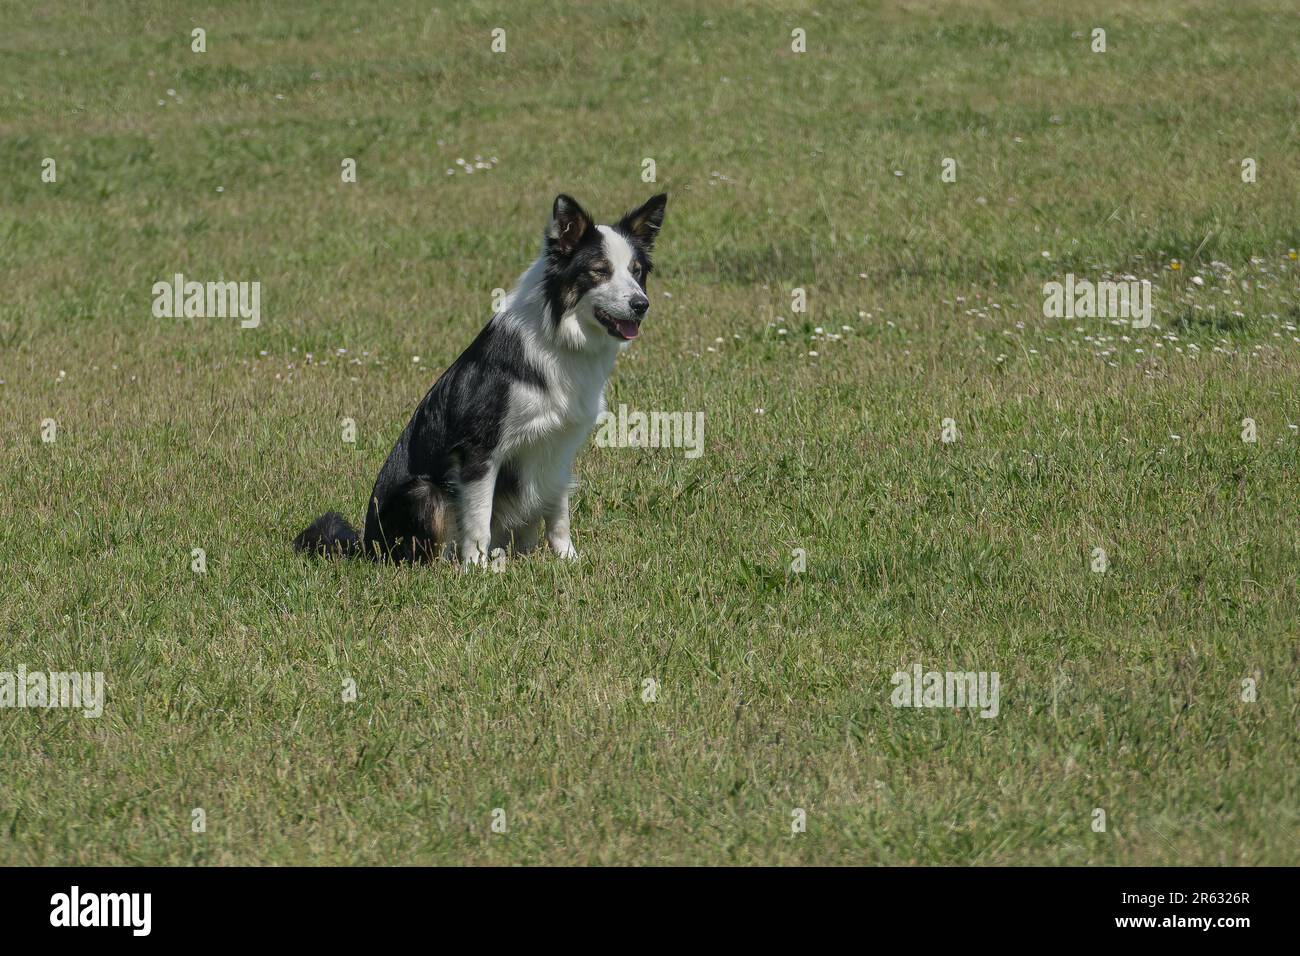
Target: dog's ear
{"x":569,"y":223}
{"x":643,"y":222}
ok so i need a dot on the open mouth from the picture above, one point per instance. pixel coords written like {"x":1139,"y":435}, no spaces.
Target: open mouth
{"x":625,"y":329}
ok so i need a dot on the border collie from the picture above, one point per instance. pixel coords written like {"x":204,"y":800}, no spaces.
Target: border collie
{"x":486,"y":458}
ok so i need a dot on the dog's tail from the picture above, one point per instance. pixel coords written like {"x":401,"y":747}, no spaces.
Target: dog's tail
{"x":329,"y":536}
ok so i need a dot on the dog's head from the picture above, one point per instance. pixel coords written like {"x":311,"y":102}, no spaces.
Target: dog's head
{"x":596,"y":275}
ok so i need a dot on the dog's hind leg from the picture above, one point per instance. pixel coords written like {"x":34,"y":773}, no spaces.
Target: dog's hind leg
{"x":410,"y":523}
{"x":426,"y":509}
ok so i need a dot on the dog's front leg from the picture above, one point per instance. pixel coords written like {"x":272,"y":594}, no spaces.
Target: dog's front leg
{"x":474,"y":517}
{"x":557,"y":528}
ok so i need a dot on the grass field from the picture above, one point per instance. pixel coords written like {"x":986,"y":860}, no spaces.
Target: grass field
{"x":1121,"y":691}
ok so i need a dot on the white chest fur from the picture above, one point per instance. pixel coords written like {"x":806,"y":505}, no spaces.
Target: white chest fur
{"x":545,"y":427}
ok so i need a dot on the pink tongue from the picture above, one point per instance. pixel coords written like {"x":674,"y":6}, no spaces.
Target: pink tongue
{"x":627,"y":328}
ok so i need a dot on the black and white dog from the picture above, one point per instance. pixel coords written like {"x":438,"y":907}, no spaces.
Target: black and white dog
{"x":487,"y":457}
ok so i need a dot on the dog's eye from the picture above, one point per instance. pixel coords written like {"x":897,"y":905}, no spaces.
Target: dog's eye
{"x":636,"y":270}
{"x":600,"y":271}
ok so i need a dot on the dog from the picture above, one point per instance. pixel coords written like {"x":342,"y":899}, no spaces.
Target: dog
{"x":486,"y":460}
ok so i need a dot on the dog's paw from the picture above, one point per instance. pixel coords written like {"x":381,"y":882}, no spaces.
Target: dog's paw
{"x":473,"y":556}
{"x":564,"y":548}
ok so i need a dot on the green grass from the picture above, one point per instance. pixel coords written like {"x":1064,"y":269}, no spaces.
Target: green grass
{"x":522,"y":690}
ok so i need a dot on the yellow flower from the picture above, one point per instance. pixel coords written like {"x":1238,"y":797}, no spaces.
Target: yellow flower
{"x":1292,"y":254}
{"x":1175,"y":265}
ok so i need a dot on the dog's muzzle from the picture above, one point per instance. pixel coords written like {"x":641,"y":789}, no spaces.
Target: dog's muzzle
{"x":625,"y":328}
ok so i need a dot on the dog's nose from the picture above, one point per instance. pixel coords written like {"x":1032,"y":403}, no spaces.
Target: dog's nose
{"x":639,"y":304}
